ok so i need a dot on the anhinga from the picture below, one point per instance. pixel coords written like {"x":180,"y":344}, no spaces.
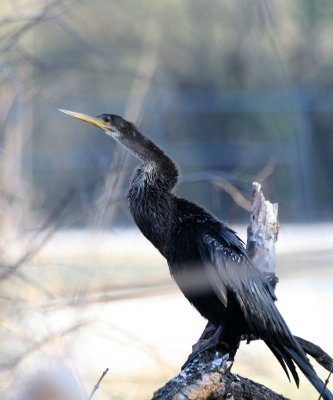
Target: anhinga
{"x":206,"y":258}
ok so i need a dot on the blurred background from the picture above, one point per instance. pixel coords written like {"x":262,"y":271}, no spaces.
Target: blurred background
{"x":234,"y":91}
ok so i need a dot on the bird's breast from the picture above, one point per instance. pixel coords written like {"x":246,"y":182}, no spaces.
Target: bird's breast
{"x":153,"y":213}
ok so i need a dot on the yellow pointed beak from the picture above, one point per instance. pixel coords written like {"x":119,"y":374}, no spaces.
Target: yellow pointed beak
{"x":87,"y":118}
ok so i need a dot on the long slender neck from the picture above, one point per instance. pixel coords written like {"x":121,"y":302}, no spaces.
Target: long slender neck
{"x":159,"y":168}
{"x":150,"y":200}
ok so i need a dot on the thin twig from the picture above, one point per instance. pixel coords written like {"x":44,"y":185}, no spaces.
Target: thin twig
{"x":14,"y":363}
{"x":95,"y":388}
{"x":231,"y":189}
{"x":38,"y":240}
{"x":325,"y":384}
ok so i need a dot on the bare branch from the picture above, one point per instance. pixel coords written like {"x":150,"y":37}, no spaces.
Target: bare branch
{"x":95,"y":388}
{"x":41,"y":237}
{"x":325,"y":384}
{"x":231,"y":189}
{"x":38,"y":345}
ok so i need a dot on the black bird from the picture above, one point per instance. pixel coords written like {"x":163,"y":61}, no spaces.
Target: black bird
{"x":205,"y":257}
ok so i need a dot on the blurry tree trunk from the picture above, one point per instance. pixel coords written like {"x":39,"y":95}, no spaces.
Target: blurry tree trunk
{"x":209,"y":377}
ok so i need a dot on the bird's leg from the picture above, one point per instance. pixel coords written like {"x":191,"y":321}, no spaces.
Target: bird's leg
{"x":213,"y":341}
{"x":233,"y":347}
{"x":209,"y":330}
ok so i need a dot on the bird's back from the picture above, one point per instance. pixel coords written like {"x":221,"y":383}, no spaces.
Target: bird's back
{"x":187,"y":265}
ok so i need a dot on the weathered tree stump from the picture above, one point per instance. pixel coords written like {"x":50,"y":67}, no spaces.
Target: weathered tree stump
{"x":262,"y":234}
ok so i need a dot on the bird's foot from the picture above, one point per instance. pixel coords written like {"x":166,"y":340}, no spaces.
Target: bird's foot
{"x":208,"y":344}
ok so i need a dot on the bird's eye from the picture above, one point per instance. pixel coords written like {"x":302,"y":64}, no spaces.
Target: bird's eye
{"x":107,"y":118}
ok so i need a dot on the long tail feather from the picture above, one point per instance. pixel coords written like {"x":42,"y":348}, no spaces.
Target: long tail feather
{"x":284,"y":358}
{"x":279,"y":357}
{"x":309,"y":372}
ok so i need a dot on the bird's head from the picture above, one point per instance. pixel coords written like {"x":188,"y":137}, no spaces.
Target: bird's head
{"x":113,"y":125}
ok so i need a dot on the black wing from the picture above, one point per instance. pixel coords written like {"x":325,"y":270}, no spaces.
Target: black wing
{"x":230,"y":270}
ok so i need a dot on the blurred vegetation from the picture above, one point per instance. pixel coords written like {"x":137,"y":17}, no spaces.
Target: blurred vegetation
{"x":234,"y":91}
{"x":85,"y":56}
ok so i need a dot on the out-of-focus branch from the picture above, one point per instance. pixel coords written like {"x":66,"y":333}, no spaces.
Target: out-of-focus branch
{"x":12,"y":37}
{"x":266,"y":171}
{"x":114,"y":180}
{"x":95,"y":388}
{"x":235,"y":194}
{"x":114,"y":293}
{"x":39,"y":344}
{"x":43,"y":234}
